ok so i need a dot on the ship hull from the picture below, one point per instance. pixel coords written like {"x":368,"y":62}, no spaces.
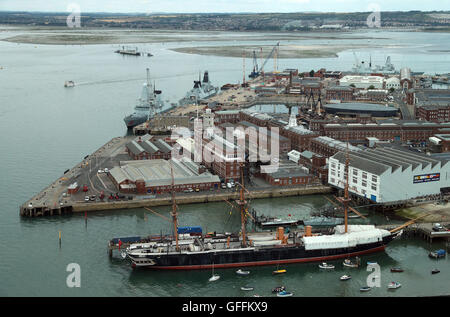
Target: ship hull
{"x":252,"y":257}
{"x":132,"y":121}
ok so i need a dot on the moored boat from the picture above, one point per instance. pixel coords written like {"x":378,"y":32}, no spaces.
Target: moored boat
{"x":437,"y":254}
{"x":326,"y":266}
{"x":365,"y":289}
{"x":278,"y":289}
{"x":349,"y":263}
{"x":279,"y":272}
{"x":284,"y":294}
{"x":345,"y":277}
{"x":148,"y":105}
{"x":214,"y":277}
{"x":247,"y":288}
{"x":241,"y":272}
{"x":396,"y":269}
{"x":435,"y":271}
{"x":394,"y":285}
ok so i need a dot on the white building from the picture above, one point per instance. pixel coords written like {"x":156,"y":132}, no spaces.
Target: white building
{"x":362,"y":82}
{"x":393,"y":82}
{"x":388,"y":174}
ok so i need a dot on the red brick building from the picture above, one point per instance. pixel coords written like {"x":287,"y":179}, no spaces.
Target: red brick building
{"x":342,"y":93}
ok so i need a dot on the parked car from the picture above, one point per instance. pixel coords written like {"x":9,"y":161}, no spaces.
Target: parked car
{"x":438,"y":227}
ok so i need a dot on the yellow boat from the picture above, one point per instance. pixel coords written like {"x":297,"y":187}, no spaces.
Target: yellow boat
{"x":279,"y":272}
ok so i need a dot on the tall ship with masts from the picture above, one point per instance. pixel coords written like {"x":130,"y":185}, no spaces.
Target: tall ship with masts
{"x":225,"y":250}
{"x":147,"y":106}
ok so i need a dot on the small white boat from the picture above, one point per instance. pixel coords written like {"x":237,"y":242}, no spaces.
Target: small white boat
{"x":69,"y":83}
{"x":394,"y":285}
{"x":214,"y":278}
{"x":284,"y":294}
{"x":247,"y":288}
{"x":349,"y":263}
{"x":345,"y":277}
{"x":365,"y":289}
{"x":241,"y":272}
{"x":327,"y":266}
{"x":368,"y":262}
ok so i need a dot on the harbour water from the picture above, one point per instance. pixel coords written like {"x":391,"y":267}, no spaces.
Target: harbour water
{"x":47,"y":128}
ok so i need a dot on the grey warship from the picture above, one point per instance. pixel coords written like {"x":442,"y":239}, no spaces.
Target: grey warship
{"x":147,"y":105}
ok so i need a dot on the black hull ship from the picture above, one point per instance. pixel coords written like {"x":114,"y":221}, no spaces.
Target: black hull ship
{"x":186,"y":250}
{"x":157,"y":257}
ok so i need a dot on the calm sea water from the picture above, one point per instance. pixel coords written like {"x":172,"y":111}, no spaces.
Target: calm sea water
{"x":46,"y":129}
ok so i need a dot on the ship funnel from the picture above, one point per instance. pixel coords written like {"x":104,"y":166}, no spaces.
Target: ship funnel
{"x":206,"y":77}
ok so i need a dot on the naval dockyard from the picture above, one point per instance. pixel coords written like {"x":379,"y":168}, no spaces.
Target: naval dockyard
{"x":393,"y":125}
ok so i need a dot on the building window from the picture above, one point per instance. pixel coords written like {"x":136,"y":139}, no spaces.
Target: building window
{"x":332,"y":180}
{"x":364,"y":175}
{"x":355,"y":180}
{"x":364,"y":183}
{"x":374,"y":179}
{"x":355,"y":172}
{"x":374,"y":187}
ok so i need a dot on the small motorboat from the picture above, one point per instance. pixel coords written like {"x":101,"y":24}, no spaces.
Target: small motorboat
{"x":241,"y":272}
{"x":394,"y":285}
{"x":278,"y":289}
{"x":69,"y":83}
{"x":284,"y":294}
{"x":326,"y":266}
{"x":345,"y":277}
{"x":435,"y":271}
{"x":349,"y":263}
{"x":365,"y":289}
{"x":396,"y":269}
{"x":369,"y":262}
{"x":213,"y":278}
{"x":437,"y":254}
{"x":279,"y":272}
{"x":257,"y":295}
{"x":247,"y":288}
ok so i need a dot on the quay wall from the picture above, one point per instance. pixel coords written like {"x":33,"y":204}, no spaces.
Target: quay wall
{"x":199,"y":198}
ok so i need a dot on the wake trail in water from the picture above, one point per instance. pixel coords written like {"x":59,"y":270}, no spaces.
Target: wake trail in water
{"x":112,"y":81}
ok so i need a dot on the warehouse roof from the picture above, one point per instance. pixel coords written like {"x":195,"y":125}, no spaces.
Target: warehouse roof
{"x":379,"y":160}
{"x":158,"y":172}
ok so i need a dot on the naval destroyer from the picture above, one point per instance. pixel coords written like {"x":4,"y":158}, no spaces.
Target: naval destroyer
{"x":147,"y":106}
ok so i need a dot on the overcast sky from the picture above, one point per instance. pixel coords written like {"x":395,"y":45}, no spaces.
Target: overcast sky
{"x":202,"y":6}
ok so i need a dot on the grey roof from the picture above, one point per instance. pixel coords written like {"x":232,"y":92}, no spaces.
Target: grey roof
{"x":379,"y":160}
{"x":149,"y":147}
{"x":135,"y":148}
{"x":307,"y":154}
{"x":291,"y":171}
{"x":158,"y":172}
{"x":362,"y":163}
{"x":163,"y":146}
{"x":357,"y":106}
{"x":340,"y":145}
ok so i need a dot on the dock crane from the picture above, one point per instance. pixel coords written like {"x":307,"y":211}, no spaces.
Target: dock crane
{"x":255,"y":73}
{"x":274,"y":54}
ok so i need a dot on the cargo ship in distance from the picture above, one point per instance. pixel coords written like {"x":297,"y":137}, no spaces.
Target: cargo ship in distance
{"x":193,"y":250}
